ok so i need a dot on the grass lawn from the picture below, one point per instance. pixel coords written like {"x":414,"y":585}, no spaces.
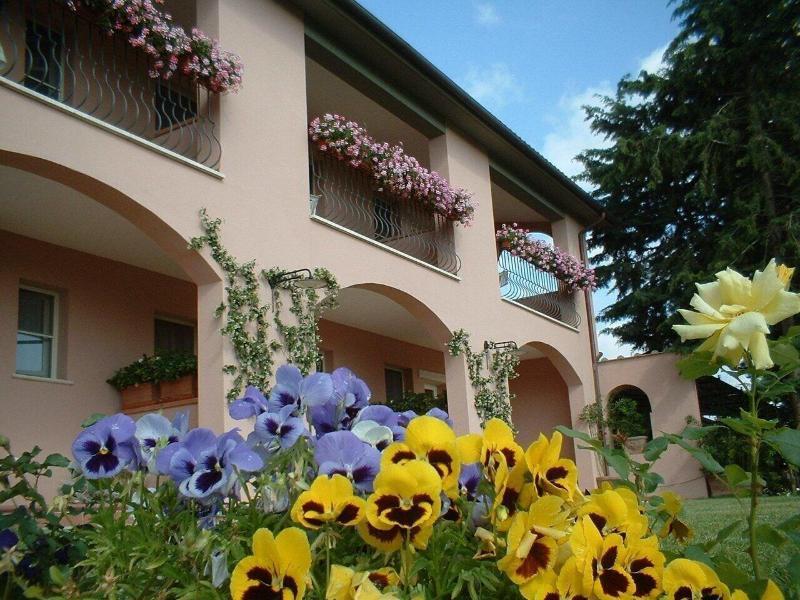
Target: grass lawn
{"x":707,"y":517}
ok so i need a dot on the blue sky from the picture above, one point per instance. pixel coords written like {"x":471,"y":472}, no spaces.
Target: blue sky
{"x":534,"y":63}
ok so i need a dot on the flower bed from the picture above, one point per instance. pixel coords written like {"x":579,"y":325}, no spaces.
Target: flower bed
{"x":171,"y":49}
{"x":393,"y":170}
{"x":561,"y":265}
{"x":343,"y":499}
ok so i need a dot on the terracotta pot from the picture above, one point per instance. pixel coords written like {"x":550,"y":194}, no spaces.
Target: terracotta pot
{"x":179,"y":389}
{"x":636,"y":444}
{"x":141,"y":394}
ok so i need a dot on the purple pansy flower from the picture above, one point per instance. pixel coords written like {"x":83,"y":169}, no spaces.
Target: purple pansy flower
{"x":405,"y":417}
{"x":202,"y":464}
{"x":349,"y":391}
{"x":278,"y":430}
{"x":343,"y":453}
{"x":252,"y":404}
{"x":154,"y":431}
{"x":107,"y":447}
{"x":468,"y":480}
{"x":383,"y":415}
{"x":292,"y":389}
{"x":438,"y":413}
{"x":8,"y":539}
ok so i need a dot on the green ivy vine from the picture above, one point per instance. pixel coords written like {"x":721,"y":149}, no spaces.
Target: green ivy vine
{"x":492,"y":396}
{"x":248,"y":320}
{"x":301,"y":341}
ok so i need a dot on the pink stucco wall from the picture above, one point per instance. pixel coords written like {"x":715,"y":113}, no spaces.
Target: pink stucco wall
{"x":367,"y":354}
{"x":672,"y":400}
{"x":106,"y":314}
{"x":541,"y":402}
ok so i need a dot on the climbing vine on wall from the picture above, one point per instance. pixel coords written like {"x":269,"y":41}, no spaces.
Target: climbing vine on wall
{"x":492,"y":397}
{"x":248,"y":319}
{"x":301,"y":341}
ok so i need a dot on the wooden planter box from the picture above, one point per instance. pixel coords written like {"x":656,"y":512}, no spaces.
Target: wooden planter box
{"x":180,"y":389}
{"x":154,"y":395}
{"x":139,"y":395}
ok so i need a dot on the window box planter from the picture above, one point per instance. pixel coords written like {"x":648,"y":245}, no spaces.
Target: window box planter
{"x":179,"y":389}
{"x":139,"y":395}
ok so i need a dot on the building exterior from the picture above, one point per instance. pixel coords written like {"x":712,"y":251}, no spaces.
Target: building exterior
{"x":103,"y":173}
{"x":672,"y":403}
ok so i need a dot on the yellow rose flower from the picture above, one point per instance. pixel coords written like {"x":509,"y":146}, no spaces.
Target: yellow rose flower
{"x":733,"y":314}
{"x":405,"y":505}
{"x":278,"y":567}
{"x":329,"y":499}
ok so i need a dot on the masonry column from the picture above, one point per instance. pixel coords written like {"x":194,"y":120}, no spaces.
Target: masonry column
{"x":460,"y":395}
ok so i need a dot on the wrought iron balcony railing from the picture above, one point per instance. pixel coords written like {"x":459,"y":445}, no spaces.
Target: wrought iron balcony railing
{"x":63,"y":56}
{"x":523,"y":283}
{"x":348,"y":197}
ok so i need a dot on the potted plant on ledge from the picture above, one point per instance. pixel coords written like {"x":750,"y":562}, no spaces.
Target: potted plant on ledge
{"x":157,"y":379}
{"x":627,"y":424}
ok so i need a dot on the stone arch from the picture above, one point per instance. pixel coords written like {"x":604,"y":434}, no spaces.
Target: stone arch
{"x":642,"y":400}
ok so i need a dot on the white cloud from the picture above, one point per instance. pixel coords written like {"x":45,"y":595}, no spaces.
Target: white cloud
{"x":486,"y":14}
{"x":571,"y":134}
{"x":494,"y":86}
{"x":653,"y":62}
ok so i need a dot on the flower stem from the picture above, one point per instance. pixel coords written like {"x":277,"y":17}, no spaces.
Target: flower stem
{"x":755,"y":447}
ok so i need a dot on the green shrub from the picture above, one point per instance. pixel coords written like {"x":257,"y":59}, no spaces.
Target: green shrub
{"x":165,"y":366}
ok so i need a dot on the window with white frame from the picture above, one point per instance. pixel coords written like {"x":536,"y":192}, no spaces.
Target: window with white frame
{"x":37,"y":332}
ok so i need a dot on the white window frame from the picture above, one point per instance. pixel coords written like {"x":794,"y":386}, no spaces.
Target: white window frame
{"x":54,"y":337}
{"x":178,"y":321}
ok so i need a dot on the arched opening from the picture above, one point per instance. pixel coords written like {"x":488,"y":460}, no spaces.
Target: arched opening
{"x":392,"y":341}
{"x":543,"y":390}
{"x":91,"y":281}
{"x":628,"y":413}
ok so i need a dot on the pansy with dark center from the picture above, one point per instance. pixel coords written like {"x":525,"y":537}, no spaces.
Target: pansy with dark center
{"x":277,"y":569}
{"x":252,"y":404}
{"x":278,"y":431}
{"x":292,"y":389}
{"x":155,"y":431}
{"x":107,"y":447}
{"x":341,"y":452}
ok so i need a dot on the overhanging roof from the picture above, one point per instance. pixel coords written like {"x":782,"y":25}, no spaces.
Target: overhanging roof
{"x":363,"y":36}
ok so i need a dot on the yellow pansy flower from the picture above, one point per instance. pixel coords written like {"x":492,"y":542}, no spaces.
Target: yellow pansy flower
{"x":511,"y":492}
{"x":600,"y":560}
{"x":771,"y":592}
{"x":644,"y":562}
{"x":278,"y":567}
{"x":734,"y":313}
{"x":498,"y":445}
{"x":615,"y":511}
{"x":672,"y":507}
{"x":533,"y":539}
{"x":551,"y":473}
{"x":434,"y":441}
{"x":329,"y":499}
{"x":346,"y":584}
{"x":405,"y":505}
{"x":568,"y":585}
{"x":686,"y":579}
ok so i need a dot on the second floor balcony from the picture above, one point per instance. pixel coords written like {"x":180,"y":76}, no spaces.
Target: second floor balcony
{"x":67,"y":58}
{"x":348,"y":198}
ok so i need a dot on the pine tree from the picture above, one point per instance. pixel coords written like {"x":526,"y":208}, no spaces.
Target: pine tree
{"x":703,"y":170}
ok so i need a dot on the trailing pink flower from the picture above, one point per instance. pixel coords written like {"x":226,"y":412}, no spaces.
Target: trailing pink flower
{"x":393,"y":170}
{"x":553,"y":260}
{"x":171,"y":49}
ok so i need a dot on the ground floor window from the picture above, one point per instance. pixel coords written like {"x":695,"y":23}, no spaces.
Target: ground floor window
{"x":395,"y":383}
{"x":174,"y":336}
{"x":36,"y":332}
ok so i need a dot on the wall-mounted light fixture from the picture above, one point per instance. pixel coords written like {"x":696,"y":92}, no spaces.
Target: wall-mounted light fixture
{"x":302,"y":278}
{"x":500,"y":346}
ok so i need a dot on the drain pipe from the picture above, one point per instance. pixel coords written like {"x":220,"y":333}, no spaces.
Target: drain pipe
{"x":592,"y":328}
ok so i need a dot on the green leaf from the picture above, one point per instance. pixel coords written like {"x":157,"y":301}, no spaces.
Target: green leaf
{"x":794,"y":331}
{"x":92,"y":419}
{"x":723,"y":535}
{"x":655,"y":448}
{"x":736,"y":475}
{"x":697,"y":552}
{"x":787,"y":442}
{"x":708,"y":462}
{"x":790,"y":524}
{"x":56,"y":460}
{"x":768,"y":534}
{"x":731,"y":574}
{"x":783,"y":353}
{"x":739,"y":425}
{"x":697,"y":364}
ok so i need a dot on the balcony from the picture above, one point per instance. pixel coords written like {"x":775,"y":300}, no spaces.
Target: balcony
{"x":523,"y":283}
{"x":64,"y":58}
{"x":348,"y":199}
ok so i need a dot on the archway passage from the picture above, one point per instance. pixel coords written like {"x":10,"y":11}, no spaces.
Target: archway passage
{"x":390,"y":340}
{"x":90,"y":282}
{"x":629,"y":409}
{"x":541,"y":401}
